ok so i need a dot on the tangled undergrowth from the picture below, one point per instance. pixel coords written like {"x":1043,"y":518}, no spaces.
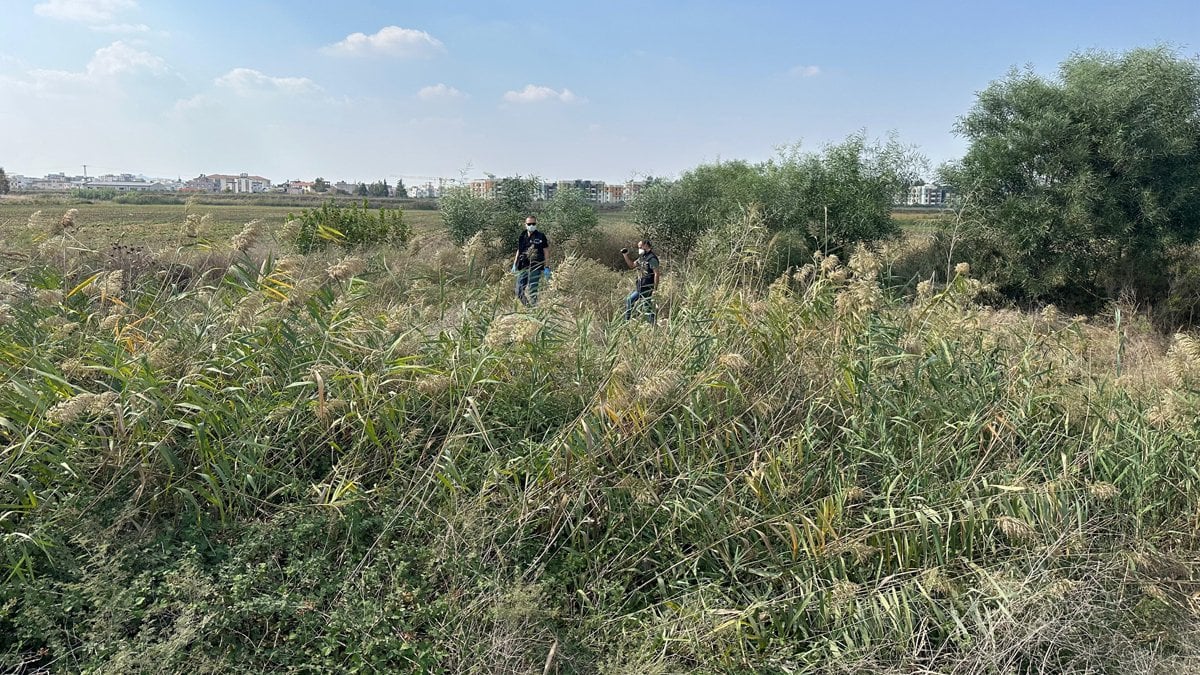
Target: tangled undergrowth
{"x":381,"y":463}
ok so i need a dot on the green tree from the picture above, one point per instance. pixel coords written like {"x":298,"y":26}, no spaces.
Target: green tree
{"x":1085,"y":184}
{"x":362,"y":190}
{"x":320,"y":184}
{"x":401,"y":191}
{"x":379,"y":189}
{"x":831,"y":199}
{"x":463,"y":214}
{"x":515,"y":196}
{"x":501,"y":217}
{"x":4,"y":185}
{"x":570,"y":218}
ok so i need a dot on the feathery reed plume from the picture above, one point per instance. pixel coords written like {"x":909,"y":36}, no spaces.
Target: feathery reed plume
{"x":1015,"y":530}
{"x":434,"y":385}
{"x":75,"y":368}
{"x":12,"y":291}
{"x":191,"y":226}
{"x":290,"y":264}
{"x":511,"y":329}
{"x":107,"y":285}
{"x":48,"y":297}
{"x":65,"y":223}
{"x":346,"y":269}
{"x":244,"y":240}
{"x":64,"y":331}
{"x":733,"y":362}
{"x":81,"y":405}
{"x":475,"y":250}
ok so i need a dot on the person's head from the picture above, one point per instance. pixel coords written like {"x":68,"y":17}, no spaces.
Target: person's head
{"x":644,"y":246}
{"x":530,"y":224}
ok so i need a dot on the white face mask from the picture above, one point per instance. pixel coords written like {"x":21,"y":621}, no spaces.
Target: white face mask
{"x":530,"y":227}
{"x":641,"y":251}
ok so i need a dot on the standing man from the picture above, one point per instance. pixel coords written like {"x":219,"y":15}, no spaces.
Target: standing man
{"x":529,"y":261}
{"x":647,"y":280}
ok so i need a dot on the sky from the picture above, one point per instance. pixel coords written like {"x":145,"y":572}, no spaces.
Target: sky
{"x":617,"y":90}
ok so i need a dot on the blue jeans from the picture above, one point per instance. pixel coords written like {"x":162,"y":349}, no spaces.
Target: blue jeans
{"x":527,"y":285}
{"x":641,"y":297}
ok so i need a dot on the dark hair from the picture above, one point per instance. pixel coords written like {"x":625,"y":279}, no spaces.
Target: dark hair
{"x":646,"y":242}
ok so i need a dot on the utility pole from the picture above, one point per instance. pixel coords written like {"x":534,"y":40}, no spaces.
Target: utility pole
{"x":85,"y":178}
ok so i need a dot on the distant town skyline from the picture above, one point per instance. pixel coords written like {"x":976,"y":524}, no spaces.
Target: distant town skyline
{"x":367,"y":91}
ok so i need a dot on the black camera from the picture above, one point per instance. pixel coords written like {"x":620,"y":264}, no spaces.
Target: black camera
{"x":624,"y":250}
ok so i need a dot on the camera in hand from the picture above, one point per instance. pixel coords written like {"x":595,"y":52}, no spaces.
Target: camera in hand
{"x":624,"y":250}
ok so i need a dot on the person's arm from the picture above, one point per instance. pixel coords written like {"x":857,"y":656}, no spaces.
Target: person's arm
{"x":656,"y":276}
{"x":518,"y":252}
{"x":628,"y":261}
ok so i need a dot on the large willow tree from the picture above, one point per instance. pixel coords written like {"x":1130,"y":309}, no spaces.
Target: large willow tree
{"x":1087,"y":182}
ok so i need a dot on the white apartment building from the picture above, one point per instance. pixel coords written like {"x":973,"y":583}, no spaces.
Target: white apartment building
{"x":221,"y":182}
{"x":927,"y":195}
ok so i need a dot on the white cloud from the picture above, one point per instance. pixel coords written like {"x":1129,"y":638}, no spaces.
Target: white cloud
{"x":193,"y":103}
{"x":121,"y":28}
{"x":247,"y":81}
{"x":536,"y":94}
{"x":389,"y":41}
{"x":121,"y":58}
{"x":101,"y":71}
{"x":86,"y":11}
{"x":440,"y":92}
{"x":805,"y":71}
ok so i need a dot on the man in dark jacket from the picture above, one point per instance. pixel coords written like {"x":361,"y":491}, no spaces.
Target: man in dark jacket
{"x":529,"y":261}
{"x":647,"y":280}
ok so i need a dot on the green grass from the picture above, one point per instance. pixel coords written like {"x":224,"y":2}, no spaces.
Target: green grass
{"x":269,"y":469}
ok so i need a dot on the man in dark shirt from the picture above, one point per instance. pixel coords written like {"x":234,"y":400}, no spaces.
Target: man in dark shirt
{"x":647,"y":280}
{"x":529,"y":261}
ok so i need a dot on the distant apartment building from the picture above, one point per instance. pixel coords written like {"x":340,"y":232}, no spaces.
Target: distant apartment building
{"x":620,"y":194}
{"x":343,"y":186}
{"x":298,"y":187}
{"x":19,"y":183}
{"x":423,"y":191}
{"x":129,"y":185}
{"x":483,"y":187}
{"x":591,"y":189}
{"x":242,"y":183}
{"x":51,"y":181}
{"x":928,"y":195}
{"x":201,"y":183}
{"x":219,"y":182}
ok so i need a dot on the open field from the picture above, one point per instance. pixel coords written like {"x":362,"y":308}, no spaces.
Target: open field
{"x":158,"y":226}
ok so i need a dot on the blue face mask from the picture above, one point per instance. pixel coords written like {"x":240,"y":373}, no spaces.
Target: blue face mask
{"x":530,"y":227}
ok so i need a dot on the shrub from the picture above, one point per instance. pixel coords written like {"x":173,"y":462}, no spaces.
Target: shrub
{"x":832,"y":199}
{"x":148,"y":198}
{"x":349,"y":227}
{"x":463,"y":214}
{"x":570,"y":220}
{"x":499,"y":216}
{"x":100,"y":194}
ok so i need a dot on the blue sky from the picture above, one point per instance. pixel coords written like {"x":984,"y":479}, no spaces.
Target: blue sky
{"x":359,"y":90}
